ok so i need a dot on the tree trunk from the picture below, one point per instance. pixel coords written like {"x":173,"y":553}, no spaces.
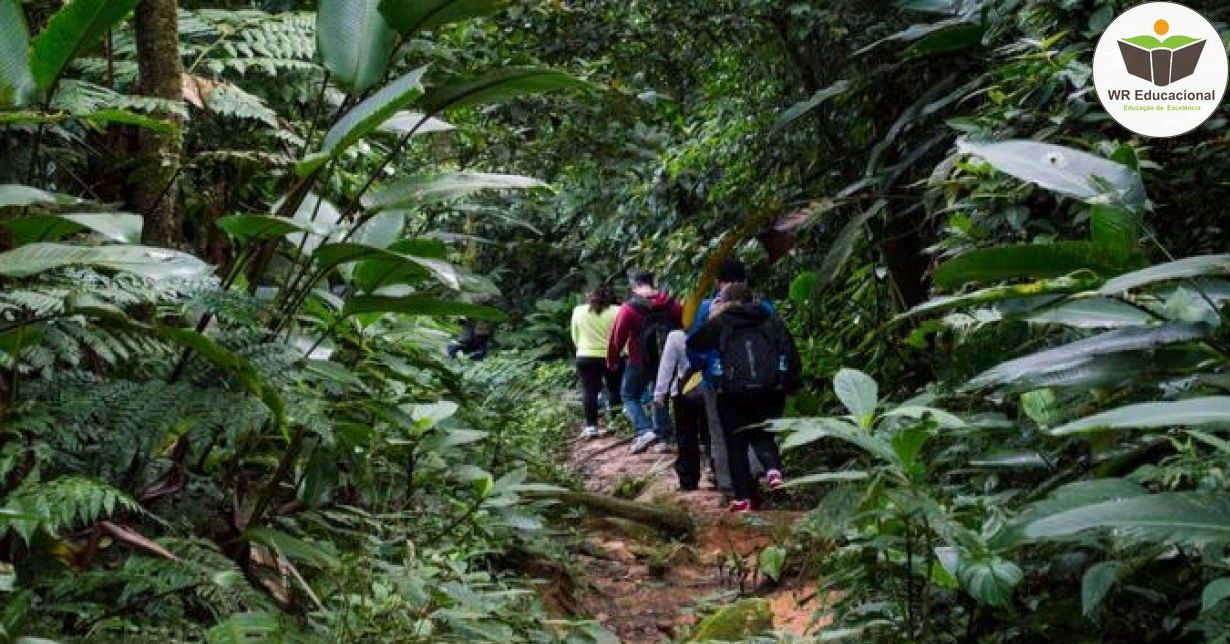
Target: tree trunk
{"x":154,"y":193}
{"x":672,"y":522}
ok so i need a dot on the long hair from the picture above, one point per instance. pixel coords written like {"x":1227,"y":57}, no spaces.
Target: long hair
{"x":600,"y":298}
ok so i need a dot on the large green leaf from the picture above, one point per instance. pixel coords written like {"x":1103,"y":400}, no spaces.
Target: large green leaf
{"x":990,"y":581}
{"x":1180,"y":269}
{"x":116,"y":226}
{"x":72,"y":30}
{"x":17,"y":195}
{"x":1214,"y":593}
{"x":859,"y":393}
{"x":406,"y":122}
{"x":1062,"y":285}
{"x":154,"y":263}
{"x":330,"y":256}
{"x":1063,"y":499}
{"x":246,"y":228}
{"x":354,"y":41}
{"x":16,"y":83}
{"x":1175,"y":517}
{"x":384,"y":270}
{"x":495,"y":87}
{"x":365,"y":118}
{"x":1093,"y":313}
{"x":412,"y":16}
{"x":424,"y":305}
{"x":802,"y":431}
{"x":317,"y":218}
{"x":1210,"y":410}
{"x":1069,"y":172}
{"x":430,"y":189}
{"x":1084,"y":352}
{"x":97,"y":118}
{"x":1038,"y":261}
{"x":822,"y":96}
{"x":1114,"y":227}
{"x":292,"y":547}
{"x":1096,"y":583}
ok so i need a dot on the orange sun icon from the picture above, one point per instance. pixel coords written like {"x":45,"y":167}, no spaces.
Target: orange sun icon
{"x":1161,"y":27}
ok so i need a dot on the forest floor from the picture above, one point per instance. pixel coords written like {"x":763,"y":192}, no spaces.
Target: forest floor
{"x":648,"y":589}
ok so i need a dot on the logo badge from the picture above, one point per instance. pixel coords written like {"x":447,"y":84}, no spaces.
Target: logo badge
{"x":1160,"y":69}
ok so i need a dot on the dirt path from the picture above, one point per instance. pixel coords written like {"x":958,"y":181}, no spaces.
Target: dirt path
{"x":646,"y":589}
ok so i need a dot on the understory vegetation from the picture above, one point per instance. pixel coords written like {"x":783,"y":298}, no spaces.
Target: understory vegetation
{"x":235,"y":238}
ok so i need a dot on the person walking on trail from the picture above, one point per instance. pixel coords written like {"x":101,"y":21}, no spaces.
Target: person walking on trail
{"x":731,"y":271}
{"x":757,"y":365}
{"x":591,"y":333}
{"x":641,"y":327}
{"x":678,"y":380}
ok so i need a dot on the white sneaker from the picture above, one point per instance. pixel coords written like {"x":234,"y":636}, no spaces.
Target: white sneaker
{"x":591,"y":432}
{"x":643,"y":441}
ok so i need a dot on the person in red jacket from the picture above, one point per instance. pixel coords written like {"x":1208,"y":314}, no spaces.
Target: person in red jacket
{"x":647,"y":302}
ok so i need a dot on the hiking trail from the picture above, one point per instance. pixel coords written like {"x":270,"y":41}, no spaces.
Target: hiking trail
{"x":646,"y":588}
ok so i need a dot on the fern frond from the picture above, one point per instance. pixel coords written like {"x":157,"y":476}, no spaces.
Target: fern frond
{"x":66,"y":502}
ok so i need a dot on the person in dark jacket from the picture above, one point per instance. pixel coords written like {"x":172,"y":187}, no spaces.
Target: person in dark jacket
{"x":743,"y":414}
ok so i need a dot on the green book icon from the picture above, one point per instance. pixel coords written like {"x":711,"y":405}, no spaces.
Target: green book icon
{"x":1161,"y":62}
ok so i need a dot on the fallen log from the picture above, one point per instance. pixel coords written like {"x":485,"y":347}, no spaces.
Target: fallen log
{"x":674,"y":522}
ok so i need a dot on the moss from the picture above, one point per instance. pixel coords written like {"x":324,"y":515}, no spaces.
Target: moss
{"x":736,"y":622}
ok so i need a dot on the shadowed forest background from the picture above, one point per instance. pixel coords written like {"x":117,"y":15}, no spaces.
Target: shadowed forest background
{"x":236,"y":236}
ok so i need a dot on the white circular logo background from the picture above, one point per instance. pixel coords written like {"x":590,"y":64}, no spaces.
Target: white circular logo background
{"x":1160,"y":69}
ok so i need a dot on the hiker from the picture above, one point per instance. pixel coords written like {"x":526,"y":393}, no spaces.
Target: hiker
{"x":473,"y":341}
{"x":756,"y":365}
{"x":682,"y":383}
{"x":731,"y":271}
{"x":641,"y":327}
{"x":591,"y":333}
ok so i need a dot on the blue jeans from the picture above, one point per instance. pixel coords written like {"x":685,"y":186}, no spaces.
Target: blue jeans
{"x":636,"y":390}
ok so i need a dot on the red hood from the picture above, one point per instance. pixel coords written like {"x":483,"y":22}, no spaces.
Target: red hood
{"x":659,"y":299}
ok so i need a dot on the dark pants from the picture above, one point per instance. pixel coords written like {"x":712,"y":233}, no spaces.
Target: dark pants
{"x":475,"y":347}
{"x":593,"y":374}
{"x":737,"y":412}
{"x":690,"y":425}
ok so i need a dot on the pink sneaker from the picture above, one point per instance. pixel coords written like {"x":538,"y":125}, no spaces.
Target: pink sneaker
{"x":774,"y":479}
{"x":740,"y":507}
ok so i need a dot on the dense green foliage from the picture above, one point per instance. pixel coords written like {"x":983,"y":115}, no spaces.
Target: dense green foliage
{"x":1012,"y":312}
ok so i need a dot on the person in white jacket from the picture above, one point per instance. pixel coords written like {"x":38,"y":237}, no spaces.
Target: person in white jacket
{"x":677,"y":380}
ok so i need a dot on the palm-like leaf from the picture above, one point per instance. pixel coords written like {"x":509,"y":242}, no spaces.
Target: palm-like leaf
{"x":1069,"y":172}
{"x":412,"y":16}
{"x":154,"y":263}
{"x":72,"y":30}
{"x":1210,"y":410}
{"x":1180,"y":269}
{"x":365,"y":118}
{"x":16,"y":83}
{"x":1177,"y":517}
{"x":1084,"y":352}
{"x":354,"y":41}
{"x":495,"y":87}
{"x":116,"y":226}
{"x":431,"y":189}
{"x":1039,"y":261}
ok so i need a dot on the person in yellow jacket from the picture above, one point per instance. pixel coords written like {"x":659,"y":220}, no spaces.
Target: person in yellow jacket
{"x":591,"y":332}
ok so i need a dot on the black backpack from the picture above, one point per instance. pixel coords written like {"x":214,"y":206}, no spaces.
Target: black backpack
{"x":656,"y":324}
{"x":753,"y":357}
